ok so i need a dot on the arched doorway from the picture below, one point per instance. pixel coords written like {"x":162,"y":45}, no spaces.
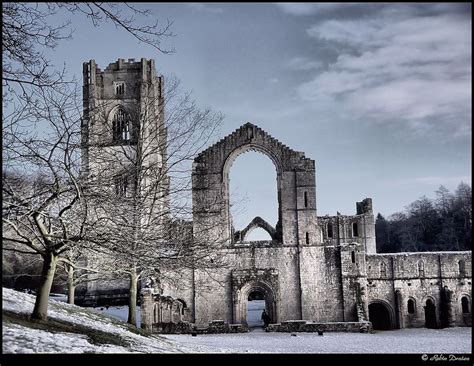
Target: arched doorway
{"x":251,"y":298}
{"x":255,"y":307}
{"x":379,"y":315}
{"x":430,"y":314}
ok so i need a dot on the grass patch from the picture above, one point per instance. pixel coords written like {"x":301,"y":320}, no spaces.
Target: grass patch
{"x":95,"y":336}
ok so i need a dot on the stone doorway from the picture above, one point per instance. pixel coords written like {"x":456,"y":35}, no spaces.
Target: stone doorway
{"x":430,"y":314}
{"x":255,"y":307}
{"x":379,"y":315}
{"x":253,"y":291}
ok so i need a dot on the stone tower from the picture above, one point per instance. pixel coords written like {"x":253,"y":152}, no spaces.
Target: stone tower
{"x":123,"y":108}
{"x":124,"y":137}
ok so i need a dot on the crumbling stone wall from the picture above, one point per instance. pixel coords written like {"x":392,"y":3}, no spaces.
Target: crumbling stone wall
{"x":398,"y":278}
{"x":323,"y":266}
{"x":359,"y":228}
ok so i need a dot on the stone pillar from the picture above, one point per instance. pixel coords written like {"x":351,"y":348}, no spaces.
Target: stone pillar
{"x":398,"y":309}
{"x":147,"y":305}
{"x":447,"y":313}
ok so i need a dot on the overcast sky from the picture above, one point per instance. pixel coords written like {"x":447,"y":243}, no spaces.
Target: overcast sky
{"x":379,"y":95}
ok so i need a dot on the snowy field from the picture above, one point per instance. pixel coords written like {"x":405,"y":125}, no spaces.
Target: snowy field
{"x":87,"y":331}
{"x":104,"y":334}
{"x":117,"y":312}
{"x":450,"y":340}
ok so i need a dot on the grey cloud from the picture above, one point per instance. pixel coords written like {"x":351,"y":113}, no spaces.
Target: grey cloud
{"x":415,"y":70}
{"x":207,"y":8}
{"x":304,"y":64}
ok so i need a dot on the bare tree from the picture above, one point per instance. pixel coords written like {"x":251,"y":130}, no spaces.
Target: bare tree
{"x":144,"y":189}
{"x":44,"y":210}
{"x":80,"y":266}
{"x":49,"y":206}
{"x":28,"y":30}
{"x":43,"y":206}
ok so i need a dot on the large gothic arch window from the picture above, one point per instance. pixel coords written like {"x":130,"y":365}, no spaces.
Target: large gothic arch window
{"x":248,"y":199}
{"x":121,"y":126}
{"x":295,"y":175}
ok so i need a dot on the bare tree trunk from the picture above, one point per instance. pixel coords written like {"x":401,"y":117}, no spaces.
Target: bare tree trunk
{"x":132,"y":303}
{"x":42,"y":296}
{"x":70,"y":285}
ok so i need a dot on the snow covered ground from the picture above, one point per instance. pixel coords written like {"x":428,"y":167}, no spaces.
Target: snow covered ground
{"x":118,"y":312}
{"x":449,"y":340}
{"x":22,"y":337}
{"x":18,"y":338}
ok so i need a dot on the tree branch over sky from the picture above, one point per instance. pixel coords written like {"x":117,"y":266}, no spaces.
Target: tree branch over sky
{"x":28,"y":30}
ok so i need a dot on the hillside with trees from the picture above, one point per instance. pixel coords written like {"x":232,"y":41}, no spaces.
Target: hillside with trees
{"x":440,"y":224}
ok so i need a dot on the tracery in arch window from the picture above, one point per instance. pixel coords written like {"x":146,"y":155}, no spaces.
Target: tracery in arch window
{"x":121,"y":126}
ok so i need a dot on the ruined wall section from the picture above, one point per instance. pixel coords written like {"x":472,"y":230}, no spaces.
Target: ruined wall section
{"x":359,"y":228}
{"x":321,"y":283}
{"x":215,"y":294}
{"x":354,"y":282}
{"x":295,"y":185}
{"x":179,"y":284}
{"x":397,"y":278}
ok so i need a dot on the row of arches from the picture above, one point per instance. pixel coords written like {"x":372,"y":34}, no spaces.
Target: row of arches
{"x":381,"y":313}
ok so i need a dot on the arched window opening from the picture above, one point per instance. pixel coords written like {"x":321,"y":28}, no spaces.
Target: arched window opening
{"x":183,"y":305}
{"x":307,"y":238}
{"x":305,"y":199}
{"x":411,"y":306}
{"x":383,"y":269}
{"x":258,"y":234}
{"x":353,"y":257}
{"x":355,"y":229}
{"x":121,"y":126}
{"x":421,"y":269}
{"x":125,"y":185}
{"x":465,"y":305}
{"x":329,"y":230}
{"x":249,"y":198}
{"x":119,"y":88}
{"x":462,"y":267}
{"x":121,"y":186}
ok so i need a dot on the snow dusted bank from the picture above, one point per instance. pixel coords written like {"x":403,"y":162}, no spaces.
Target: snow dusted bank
{"x":73,"y":329}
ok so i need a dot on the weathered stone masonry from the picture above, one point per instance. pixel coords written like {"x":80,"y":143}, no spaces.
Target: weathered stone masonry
{"x":315,"y":269}
{"x":321,"y":270}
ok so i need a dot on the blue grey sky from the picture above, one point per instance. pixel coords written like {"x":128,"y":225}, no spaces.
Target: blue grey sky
{"x":379,"y":95}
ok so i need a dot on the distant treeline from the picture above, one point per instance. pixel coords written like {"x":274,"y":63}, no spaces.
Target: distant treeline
{"x":442,"y":223}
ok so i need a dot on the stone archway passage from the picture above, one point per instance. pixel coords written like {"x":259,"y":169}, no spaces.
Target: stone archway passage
{"x":379,"y":315}
{"x":250,"y":283}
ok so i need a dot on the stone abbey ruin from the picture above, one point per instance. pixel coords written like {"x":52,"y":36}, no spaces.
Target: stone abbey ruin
{"x":316,"y":272}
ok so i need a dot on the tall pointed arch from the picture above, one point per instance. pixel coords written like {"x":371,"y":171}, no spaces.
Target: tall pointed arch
{"x":296,"y":187}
